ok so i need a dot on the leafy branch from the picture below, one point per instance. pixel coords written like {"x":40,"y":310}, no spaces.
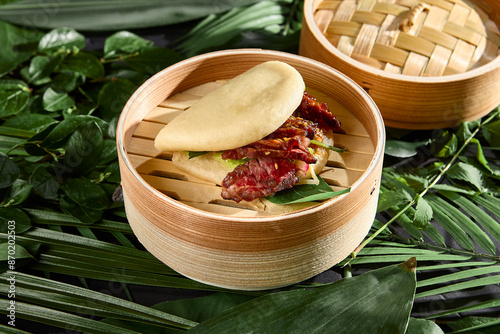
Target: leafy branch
{"x":417,"y":199}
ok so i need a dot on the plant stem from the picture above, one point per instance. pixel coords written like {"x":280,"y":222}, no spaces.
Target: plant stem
{"x":434,"y":181}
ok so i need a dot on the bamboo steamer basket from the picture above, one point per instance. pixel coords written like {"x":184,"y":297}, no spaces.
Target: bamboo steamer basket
{"x":427,"y":64}
{"x":184,"y":222}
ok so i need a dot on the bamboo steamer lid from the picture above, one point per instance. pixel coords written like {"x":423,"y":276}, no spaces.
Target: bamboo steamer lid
{"x":183,"y":221}
{"x":427,"y":63}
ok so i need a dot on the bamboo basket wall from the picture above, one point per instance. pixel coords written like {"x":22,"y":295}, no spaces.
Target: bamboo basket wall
{"x":183,"y":221}
{"x":426,"y":63}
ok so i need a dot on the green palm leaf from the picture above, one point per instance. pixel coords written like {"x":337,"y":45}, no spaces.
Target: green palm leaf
{"x":96,"y":15}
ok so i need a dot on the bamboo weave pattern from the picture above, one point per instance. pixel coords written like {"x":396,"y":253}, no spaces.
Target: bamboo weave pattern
{"x":420,"y":38}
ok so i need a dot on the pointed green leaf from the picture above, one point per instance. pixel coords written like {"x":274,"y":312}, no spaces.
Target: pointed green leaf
{"x":423,"y":326}
{"x":17,"y":193}
{"x":481,"y":217}
{"x":468,"y":173}
{"x":19,"y":220}
{"x":465,"y":223}
{"x":84,"y":148}
{"x":352,"y":305}
{"x":478,"y":282}
{"x":463,"y":274}
{"x":9,"y":171}
{"x":113,"y":96}
{"x":402,"y":149}
{"x":85,"y":64}
{"x":452,"y":228}
{"x":124,"y":42}
{"x":475,"y":325}
{"x":44,"y":183}
{"x":17,"y":46}
{"x":306,"y":193}
{"x":86,"y":193}
{"x":96,"y":15}
{"x":446,"y":146}
{"x":153,"y":60}
{"x":61,"y":39}
{"x":392,"y":198}
{"x":423,"y":213}
{"x":53,"y":101}
{"x":491,"y":133}
{"x":14,"y":96}
{"x":61,"y":319}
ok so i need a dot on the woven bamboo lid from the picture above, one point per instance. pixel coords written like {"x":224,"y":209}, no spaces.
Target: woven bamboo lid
{"x":427,"y":64}
{"x":422,"y":38}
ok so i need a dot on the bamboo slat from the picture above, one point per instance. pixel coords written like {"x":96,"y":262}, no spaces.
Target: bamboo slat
{"x":342,"y":171}
{"x":443,"y":23}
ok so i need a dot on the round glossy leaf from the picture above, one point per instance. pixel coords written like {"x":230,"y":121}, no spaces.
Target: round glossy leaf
{"x":9,"y":171}
{"x":14,"y":96}
{"x":54,"y":101}
{"x":84,"y":63}
{"x":61,"y":39}
{"x":21,"y":220}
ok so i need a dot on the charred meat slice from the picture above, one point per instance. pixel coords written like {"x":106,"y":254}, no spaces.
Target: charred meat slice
{"x":259,"y":178}
{"x":311,"y":109}
{"x":295,"y":148}
{"x":291,"y":141}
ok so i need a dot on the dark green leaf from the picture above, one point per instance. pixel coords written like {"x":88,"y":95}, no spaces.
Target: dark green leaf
{"x":30,"y":122}
{"x":452,"y":228}
{"x":83,"y":149}
{"x":53,"y":101}
{"x":57,"y":136}
{"x":97,"y":15}
{"x":445,"y":146}
{"x":389,"y":199}
{"x":17,"y":46}
{"x":20,"y":253}
{"x":20,"y":219}
{"x":481,"y":217}
{"x":85,"y":64}
{"x":44,"y":183}
{"x":18,"y":192}
{"x":83,"y":214}
{"x":195,"y":309}
{"x":86,"y":193}
{"x":352,"y":305}
{"x":475,"y":325}
{"x":9,"y":171}
{"x":306,"y":193}
{"x":41,"y":67}
{"x":423,"y":213}
{"x":465,"y":223}
{"x":124,"y":42}
{"x":217,"y":30}
{"x":468,"y":173}
{"x":491,"y":133}
{"x":67,"y":81}
{"x":14,"y":96}
{"x":465,"y":130}
{"x":62,"y":39}
{"x":153,"y":60}
{"x":402,"y":149}
{"x":113,"y":96}
{"x":422,"y":326}
{"x":39,"y":314}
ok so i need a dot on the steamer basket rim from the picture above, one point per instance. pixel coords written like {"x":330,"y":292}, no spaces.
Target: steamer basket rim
{"x":279,"y":55}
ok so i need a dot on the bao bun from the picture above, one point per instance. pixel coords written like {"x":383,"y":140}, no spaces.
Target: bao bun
{"x":244,"y":110}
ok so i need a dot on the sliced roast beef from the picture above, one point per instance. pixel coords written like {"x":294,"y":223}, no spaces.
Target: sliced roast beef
{"x":259,"y":177}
